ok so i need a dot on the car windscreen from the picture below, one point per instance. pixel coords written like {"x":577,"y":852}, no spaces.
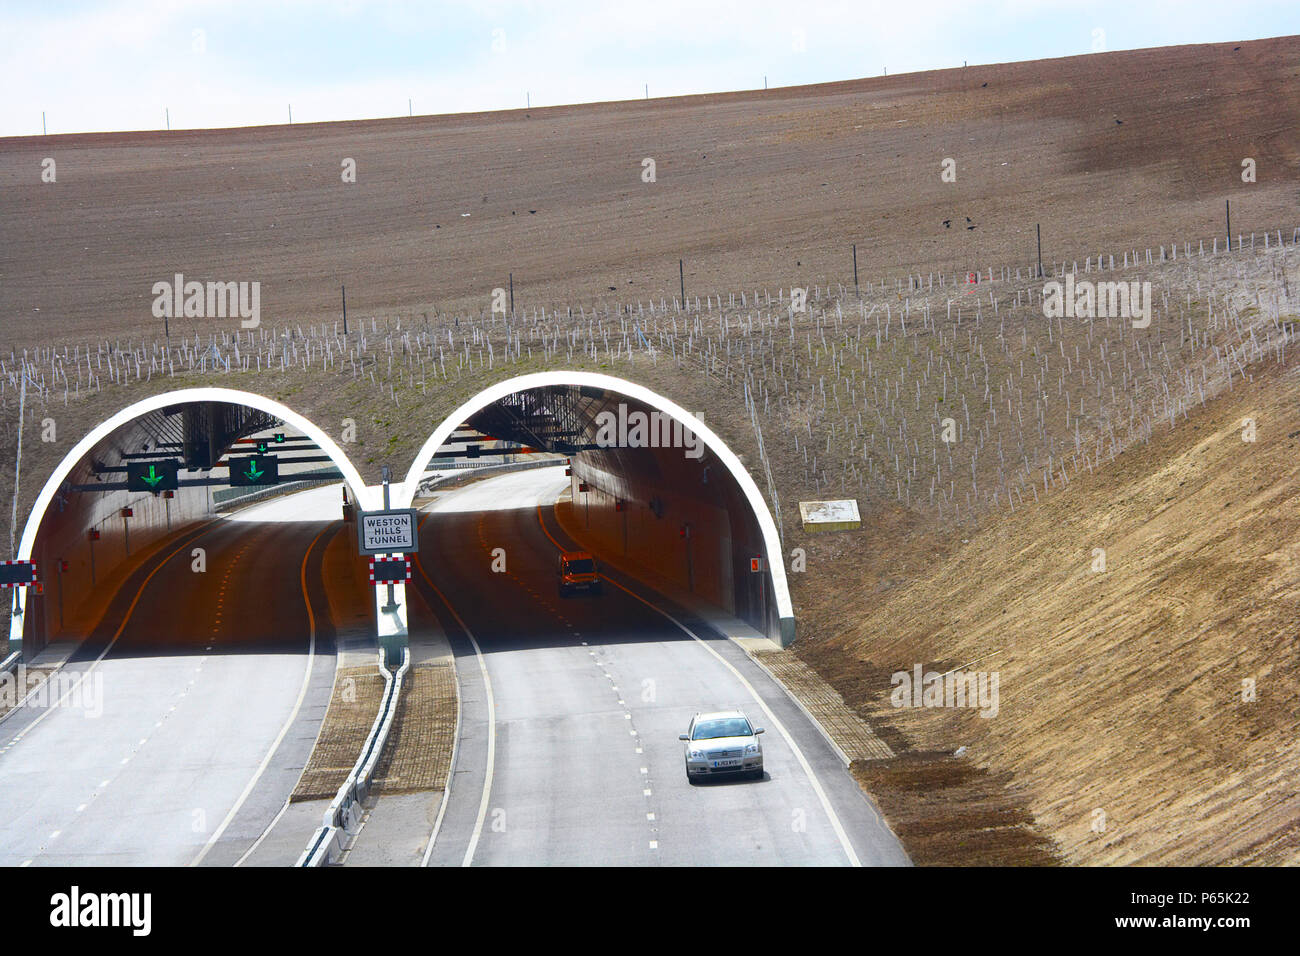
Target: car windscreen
{"x":723,"y":727}
{"x":582,"y":566}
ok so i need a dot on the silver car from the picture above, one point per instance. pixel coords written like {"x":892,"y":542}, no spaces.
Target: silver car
{"x":722,"y":743}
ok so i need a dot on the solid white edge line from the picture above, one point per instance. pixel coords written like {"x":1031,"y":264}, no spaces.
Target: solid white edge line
{"x":302,"y":694}
{"x":102,"y":654}
{"x":492,"y":736}
{"x":803,"y":761}
{"x":491,"y":754}
{"x":455,"y":742}
{"x":264,"y":834}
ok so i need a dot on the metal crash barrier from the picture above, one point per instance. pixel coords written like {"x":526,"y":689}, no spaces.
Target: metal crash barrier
{"x":343,"y":817}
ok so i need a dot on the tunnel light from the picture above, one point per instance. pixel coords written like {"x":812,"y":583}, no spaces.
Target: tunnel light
{"x":756,"y":565}
{"x":93,"y":534}
{"x":128,"y":512}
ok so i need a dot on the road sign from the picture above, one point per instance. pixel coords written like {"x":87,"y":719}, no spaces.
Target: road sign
{"x":153,"y":475}
{"x":388,"y":532}
{"x":249,"y":470}
{"x":17,"y":574}
{"x":390,"y":570}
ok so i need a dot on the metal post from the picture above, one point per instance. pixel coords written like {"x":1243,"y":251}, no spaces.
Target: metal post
{"x":345,"y":309}
{"x":690,"y":564}
{"x":126,"y":534}
{"x":681,"y":278}
{"x":1038,"y":230}
{"x":392,"y":600}
{"x":1227,"y":215}
{"x":167,"y":506}
{"x":512,"y":295}
{"x":856,"y":290}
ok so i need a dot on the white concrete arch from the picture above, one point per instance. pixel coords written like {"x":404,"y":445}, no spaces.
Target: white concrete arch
{"x":494,"y":393}
{"x":163,"y":400}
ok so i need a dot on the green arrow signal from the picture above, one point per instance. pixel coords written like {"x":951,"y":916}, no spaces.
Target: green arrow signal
{"x":253,"y":474}
{"x":152,"y":478}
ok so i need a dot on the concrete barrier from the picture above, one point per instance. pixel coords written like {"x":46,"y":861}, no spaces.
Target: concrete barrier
{"x":343,"y":817}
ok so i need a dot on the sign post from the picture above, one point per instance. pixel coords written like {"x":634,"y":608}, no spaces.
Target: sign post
{"x":394,"y":533}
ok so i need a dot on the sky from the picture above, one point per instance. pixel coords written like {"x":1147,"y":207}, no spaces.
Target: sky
{"x":217,"y":63}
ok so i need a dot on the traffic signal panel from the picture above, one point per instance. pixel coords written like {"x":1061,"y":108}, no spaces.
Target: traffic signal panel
{"x":152,"y":475}
{"x":246,"y":470}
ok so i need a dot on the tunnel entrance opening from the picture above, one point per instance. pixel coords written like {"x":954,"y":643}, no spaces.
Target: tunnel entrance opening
{"x":184,"y":522}
{"x":562,"y":462}
{"x":197,"y":574}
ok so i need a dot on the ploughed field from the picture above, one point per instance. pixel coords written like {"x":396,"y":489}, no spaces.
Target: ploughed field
{"x":763,"y":189}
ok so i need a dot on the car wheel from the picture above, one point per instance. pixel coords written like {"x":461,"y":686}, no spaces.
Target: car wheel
{"x":690,"y":777}
{"x":756,"y":774}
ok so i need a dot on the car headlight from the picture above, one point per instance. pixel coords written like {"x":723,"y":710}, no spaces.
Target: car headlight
{"x":697,"y":754}
{"x":751,"y":749}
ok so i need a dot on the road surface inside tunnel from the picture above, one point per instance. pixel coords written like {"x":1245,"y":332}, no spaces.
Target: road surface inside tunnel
{"x":178,"y":729}
{"x":568,"y":749}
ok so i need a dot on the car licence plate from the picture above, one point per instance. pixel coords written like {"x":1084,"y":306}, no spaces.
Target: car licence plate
{"x":725,"y":763}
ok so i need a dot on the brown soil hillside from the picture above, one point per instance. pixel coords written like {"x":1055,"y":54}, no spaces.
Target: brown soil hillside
{"x":1123,"y":726}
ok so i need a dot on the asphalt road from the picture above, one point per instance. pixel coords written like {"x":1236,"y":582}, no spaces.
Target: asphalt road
{"x":196,"y":703}
{"x":571,"y":707}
